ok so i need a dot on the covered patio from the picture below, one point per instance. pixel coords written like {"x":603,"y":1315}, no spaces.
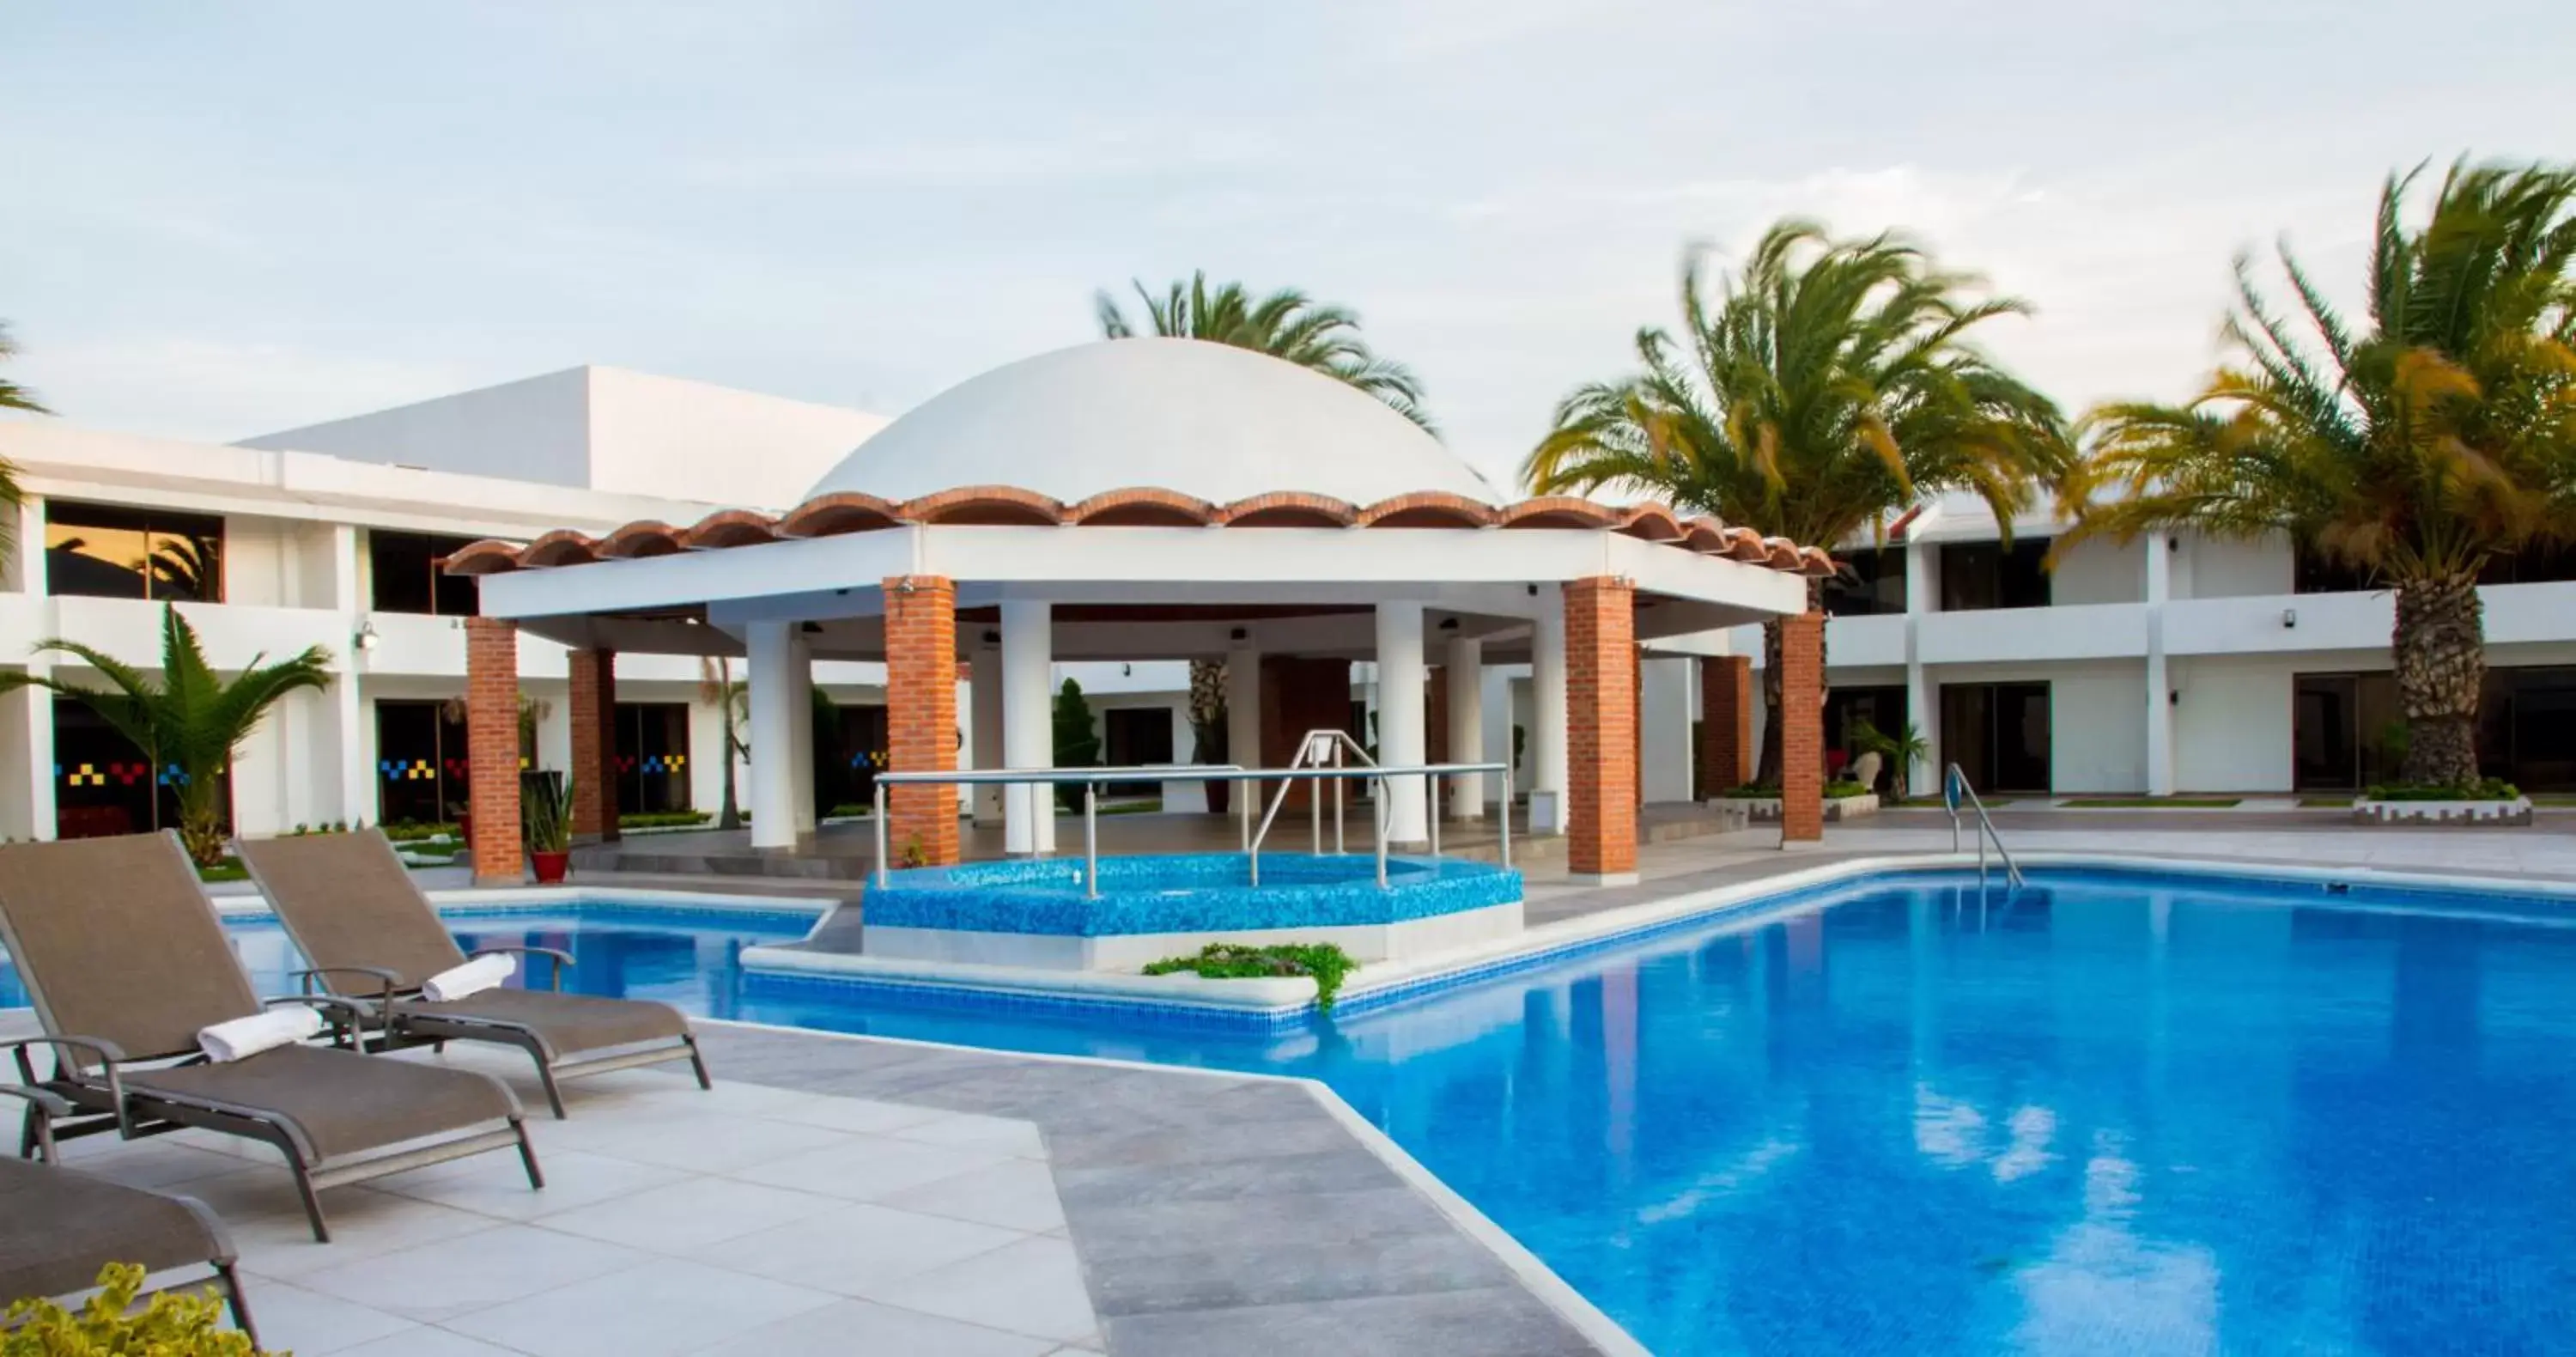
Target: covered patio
{"x":1143,"y":500}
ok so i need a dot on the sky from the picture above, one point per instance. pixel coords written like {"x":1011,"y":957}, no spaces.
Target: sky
{"x":223,"y":220}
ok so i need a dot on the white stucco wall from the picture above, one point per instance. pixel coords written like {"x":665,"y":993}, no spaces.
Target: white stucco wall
{"x":2218,"y":567}
{"x":2097,"y":729}
{"x":535,"y":429}
{"x":2232,"y":725}
{"x":2100,"y":570}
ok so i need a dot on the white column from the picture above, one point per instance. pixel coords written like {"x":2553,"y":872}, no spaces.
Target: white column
{"x":800,"y":750}
{"x":1922,"y":697}
{"x":35,"y":706}
{"x":984,"y":725}
{"x":1400,"y":718}
{"x":2160,"y":774}
{"x":1548,"y":752}
{"x":774,"y":695}
{"x":348,"y":693}
{"x":1243,"y":710}
{"x":1028,"y":722}
{"x":1464,"y":671}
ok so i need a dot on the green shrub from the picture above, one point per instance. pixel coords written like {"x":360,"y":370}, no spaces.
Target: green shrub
{"x":1235,"y":961}
{"x":848,"y":809}
{"x":229,"y":868}
{"x":171,"y":1325}
{"x":2493,"y":789}
{"x":414,"y":831}
{"x":664,"y":819}
{"x":1754,"y":791}
{"x":1837,"y":791}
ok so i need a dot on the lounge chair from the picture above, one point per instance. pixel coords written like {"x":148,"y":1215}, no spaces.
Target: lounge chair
{"x":58,"y":1227}
{"x":371,"y":937}
{"x":125,"y":961}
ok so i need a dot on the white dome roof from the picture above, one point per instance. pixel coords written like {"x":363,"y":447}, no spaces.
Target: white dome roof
{"x":1207,"y":420}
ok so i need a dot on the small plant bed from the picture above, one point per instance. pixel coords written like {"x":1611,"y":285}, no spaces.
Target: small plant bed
{"x":2491,"y":802}
{"x":1235,"y":961}
{"x":2553,"y":798}
{"x":230,"y":869}
{"x":1844,"y":800}
{"x":664,"y":819}
{"x":2150,"y":802}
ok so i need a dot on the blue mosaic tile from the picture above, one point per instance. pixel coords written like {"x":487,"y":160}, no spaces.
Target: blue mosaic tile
{"x":1185,"y":893}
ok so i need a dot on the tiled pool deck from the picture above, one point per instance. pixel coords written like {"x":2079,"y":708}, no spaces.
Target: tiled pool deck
{"x":840,"y":1194}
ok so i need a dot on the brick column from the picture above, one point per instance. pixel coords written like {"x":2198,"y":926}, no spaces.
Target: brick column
{"x":921,"y":714}
{"x":1802,"y":729}
{"x":1726,"y":748}
{"x":1601,"y":729}
{"x":492,"y":749}
{"x":594,"y":744}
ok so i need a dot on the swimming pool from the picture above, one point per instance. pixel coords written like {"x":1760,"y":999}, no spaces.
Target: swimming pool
{"x":2117,"y":1112}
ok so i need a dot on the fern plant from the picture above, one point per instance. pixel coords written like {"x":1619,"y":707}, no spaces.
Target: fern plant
{"x":172,"y":1324}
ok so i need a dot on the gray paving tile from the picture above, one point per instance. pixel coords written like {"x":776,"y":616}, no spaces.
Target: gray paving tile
{"x":1490,"y":1322}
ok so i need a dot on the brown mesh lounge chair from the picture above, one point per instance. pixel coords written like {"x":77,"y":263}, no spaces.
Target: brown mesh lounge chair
{"x":59,"y":1227}
{"x":125,"y":960}
{"x":372,"y":937}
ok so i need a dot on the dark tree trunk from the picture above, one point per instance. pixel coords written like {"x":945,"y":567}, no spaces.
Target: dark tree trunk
{"x":1767,"y":769}
{"x":2440,"y":650}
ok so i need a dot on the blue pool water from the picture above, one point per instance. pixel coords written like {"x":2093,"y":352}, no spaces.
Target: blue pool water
{"x":2113,"y":1114}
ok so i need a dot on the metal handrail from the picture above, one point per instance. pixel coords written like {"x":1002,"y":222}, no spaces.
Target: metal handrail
{"x":1310,"y":747}
{"x":1954,"y":786}
{"x":1090,"y":780}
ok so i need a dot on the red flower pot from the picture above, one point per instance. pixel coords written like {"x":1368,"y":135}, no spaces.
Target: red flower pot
{"x":550,"y":867}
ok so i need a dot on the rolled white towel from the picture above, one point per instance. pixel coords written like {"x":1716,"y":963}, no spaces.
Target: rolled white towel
{"x":245,"y":1037}
{"x":474,"y":977}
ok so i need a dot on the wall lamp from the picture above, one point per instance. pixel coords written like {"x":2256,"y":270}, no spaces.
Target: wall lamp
{"x":2289,"y":617}
{"x":366,"y":638}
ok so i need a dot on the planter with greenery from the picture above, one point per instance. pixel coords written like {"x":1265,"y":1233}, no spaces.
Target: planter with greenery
{"x":187,"y":719}
{"x":1901,"y":752}
{"x":1077,"y":741}
{"x":2484,"y":803}
{"x":1844,"y":800}
{"x":1327,"y":963}
{"x":664,"y":819}
{"x":545,"y":801}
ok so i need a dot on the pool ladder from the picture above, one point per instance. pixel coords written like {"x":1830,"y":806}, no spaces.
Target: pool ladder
{"x":1954,"y":790}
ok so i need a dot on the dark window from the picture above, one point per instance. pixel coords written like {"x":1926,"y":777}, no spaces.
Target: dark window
{"x":420,"y":762}
{"x":1998,"y":734}
{"x":103,"y":785}
{"x":101,"y":551}
{"x":2344,"y":731}
{"x":407,"y":570}
{"x":2532,"y":565}
{"x":1138,"y":736}
{"x":653,"y":757}
{"x":2318,"y":573}
{"x":1979,"y":575}
{"x":2527,"y":728}
{"x":1870,"y":583}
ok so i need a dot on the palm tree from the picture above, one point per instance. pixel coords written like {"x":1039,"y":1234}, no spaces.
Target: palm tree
{"x":12,"y":395}
{"x":731,"y":698}
{"x":1285,"y":324}
{"x":1825,"y":389}
{"x":188,"y":720}
{"x":2436,"y":439}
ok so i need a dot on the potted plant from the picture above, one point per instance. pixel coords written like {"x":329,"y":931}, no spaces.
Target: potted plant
{"x":546,"y":821}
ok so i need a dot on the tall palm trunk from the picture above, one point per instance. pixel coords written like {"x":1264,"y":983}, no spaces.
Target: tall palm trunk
{"x":2440,"y":645}
{"x":1767,"y":769}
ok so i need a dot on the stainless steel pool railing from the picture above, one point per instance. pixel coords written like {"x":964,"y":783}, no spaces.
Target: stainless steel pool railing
{"x":1955,"y":789}
{"x":1091,"y":780}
